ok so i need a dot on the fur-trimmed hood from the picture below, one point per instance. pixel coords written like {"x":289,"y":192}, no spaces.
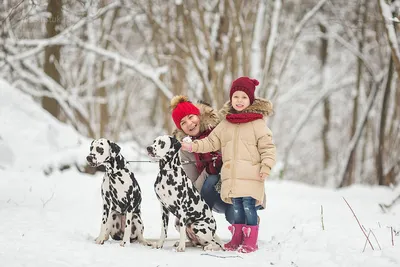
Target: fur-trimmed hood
{"x":209,"y":119}
{"x":260,"y":106}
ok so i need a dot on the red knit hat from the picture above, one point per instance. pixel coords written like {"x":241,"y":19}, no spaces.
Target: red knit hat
{"x":246,"y":85}
{"x":182,"y":107}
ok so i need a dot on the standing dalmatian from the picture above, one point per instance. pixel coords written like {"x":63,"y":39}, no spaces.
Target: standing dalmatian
{"x":178,"y":196}
{"x":120,"y":192}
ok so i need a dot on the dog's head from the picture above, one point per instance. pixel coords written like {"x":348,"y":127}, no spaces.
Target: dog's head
{"x":164,"y":147}
{"x":101,"y":150}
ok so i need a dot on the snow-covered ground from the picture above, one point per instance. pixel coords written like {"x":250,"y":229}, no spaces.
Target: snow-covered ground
{"x":53,"y":220}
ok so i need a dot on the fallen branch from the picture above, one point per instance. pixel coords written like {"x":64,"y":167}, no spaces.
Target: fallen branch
{"x":391,"y":232}
{"x":217,"y":256}
{"x":385,"y":208}
{"x":375,"y":239}
{"x":365,"y":244}
{"x":322,"y":217}
{"x":359,"y":224}
{"x":47,"y":201}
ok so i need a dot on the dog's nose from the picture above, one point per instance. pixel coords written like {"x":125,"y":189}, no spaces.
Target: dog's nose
{"x":149,"y":149}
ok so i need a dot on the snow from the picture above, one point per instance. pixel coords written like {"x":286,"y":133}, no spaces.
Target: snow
{"x":32,"y":136}
{"x":53,"y":220}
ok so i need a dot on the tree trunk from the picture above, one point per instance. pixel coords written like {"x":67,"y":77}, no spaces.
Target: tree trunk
{"x":327,"y":109}
{"x":219,"y":53}
{"x":102,"y":91}
{"x":382,"y":126}
{"x":179,"y":78}
{"x":362,"y":12}
{"x":356,"y":138}
{"x":52,"y":54}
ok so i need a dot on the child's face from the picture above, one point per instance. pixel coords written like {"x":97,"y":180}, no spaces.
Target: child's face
{"x":240,"y":100}
{"x":190,"y":125}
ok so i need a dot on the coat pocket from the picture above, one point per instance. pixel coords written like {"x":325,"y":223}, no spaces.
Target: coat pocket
{"x":226,"y":170}
{"x":247,"y":171}
{"x":253,"y":154}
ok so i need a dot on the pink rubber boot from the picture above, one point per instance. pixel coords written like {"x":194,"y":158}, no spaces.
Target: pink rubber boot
{"x":237,"y":237}
{"x":250,"y":236}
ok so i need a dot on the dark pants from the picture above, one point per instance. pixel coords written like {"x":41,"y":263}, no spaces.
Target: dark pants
{"x":213,"y":198}
{"x":245,"y":211}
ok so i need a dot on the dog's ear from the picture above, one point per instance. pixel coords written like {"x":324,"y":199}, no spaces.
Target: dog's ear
{"x":175,"y":143}
{"x":114,"y":148}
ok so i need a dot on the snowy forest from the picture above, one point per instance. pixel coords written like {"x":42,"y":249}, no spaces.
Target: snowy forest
{"x":331,"y":69}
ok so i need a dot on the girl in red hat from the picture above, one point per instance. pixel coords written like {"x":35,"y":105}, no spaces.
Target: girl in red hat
{"x":248,"y":154}
{"x":196,"y":121}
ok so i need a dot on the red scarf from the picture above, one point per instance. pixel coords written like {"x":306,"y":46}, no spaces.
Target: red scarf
{"x":243,"y":117}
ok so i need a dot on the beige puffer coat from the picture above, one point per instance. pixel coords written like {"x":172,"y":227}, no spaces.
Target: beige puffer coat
{"x":247,"y":150}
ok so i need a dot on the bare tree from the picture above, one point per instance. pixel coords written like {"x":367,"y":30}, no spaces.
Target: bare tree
{"x":326,"y":105}
{"x":52,"y":54}
{"x":113,"y":66}
{"x":394,"y":63}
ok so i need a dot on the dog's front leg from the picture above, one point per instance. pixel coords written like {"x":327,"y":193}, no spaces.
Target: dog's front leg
{"x":137,"y":221}
{"x":182,"y":234}
{"x":127,"y":230}
{"x":105,"y":224}
{"x":164,"y":228}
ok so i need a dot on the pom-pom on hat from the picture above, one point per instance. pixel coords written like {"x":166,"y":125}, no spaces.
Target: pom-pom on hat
{"x":181,"y":107}
{"x":246,"y":85}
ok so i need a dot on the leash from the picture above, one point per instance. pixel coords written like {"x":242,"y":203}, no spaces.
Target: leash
{"x":184,"y":162}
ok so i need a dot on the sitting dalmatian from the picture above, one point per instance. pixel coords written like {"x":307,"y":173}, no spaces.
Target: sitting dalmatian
{"x":178,"y":196}
{"x":120,"y":192}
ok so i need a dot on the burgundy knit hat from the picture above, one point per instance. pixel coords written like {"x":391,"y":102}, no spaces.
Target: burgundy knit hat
{"x":182,"y":107}
{"x":246,"y":85}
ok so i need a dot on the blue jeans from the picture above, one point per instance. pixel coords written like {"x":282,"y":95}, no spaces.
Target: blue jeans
{"x":245,"y":211}
{"x":213,"y":198}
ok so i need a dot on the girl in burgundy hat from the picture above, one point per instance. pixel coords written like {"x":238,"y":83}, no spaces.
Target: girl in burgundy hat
{"x":248,"y":154}
{"x":196,"y":121}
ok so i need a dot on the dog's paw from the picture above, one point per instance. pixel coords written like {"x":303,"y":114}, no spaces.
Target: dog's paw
{"x":146,"y":243}
{"x":100,"y":240}
{"x":122,"y":243}
{"x":211,"y":247}
{"x":157,"y":244}
{"x":181,"y":247}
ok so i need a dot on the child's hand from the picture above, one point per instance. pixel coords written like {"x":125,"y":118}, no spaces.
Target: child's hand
{"x":263,"y":176}
{"x":186,"y":146}
{"x":187,"y":139}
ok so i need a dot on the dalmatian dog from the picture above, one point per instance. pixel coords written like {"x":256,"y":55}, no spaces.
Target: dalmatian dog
{"x":178,"y":196}
{"x":120,"y":193}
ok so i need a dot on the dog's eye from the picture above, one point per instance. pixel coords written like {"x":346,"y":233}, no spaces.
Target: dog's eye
{"x":100,"y":150}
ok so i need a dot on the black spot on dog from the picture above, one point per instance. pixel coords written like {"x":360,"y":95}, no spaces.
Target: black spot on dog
{"x":178,"y":195}
{"x":100,"y":150}
{"x":161,"y":144}
{"x":120,"y":191}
